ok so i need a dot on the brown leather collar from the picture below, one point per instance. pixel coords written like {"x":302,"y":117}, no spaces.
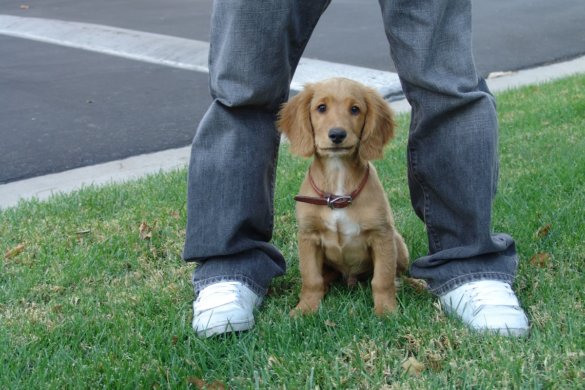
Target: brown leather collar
{"x":331,"y":200}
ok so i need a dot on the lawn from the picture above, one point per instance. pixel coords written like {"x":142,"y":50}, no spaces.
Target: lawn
{"x":94,"y":294}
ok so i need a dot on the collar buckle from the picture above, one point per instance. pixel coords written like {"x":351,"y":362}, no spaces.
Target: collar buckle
{"x":338,"y":201}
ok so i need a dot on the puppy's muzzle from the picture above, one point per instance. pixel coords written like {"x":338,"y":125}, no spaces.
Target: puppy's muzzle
{"x":337,"y":135}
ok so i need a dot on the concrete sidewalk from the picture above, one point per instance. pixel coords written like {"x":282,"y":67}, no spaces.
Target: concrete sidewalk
{"x":181,"y":53}
{"x":135,"y":167}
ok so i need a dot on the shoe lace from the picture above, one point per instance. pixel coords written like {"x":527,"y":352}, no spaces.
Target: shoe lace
{"x":482,"y":295}
{"x":218,"y":295}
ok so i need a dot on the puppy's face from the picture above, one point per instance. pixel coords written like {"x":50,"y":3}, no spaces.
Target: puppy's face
{"x":337,"y":117}
{"x":338,"y":113}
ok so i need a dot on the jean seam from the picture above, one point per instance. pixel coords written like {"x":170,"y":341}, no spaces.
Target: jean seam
{"x":273,"y":181}
{"x":426,"y":208}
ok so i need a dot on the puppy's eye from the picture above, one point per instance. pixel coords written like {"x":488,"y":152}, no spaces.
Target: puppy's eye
{"x":321,"y":108}
{"x":355,"y":110}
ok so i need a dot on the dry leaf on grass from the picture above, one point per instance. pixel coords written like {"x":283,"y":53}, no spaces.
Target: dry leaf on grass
{"x":543,"y":231}
{"x":418,"y":284}
{"x":145,"y":231}
{"x":10,"y":253}
{"x":201,"y":384}
{"x":540,"y":259}
{"x":435,"y":360}
{"x":368,"y":352}
{"x":330,"y":323}
{"x":413,"y":366}
{"x":444,"y":343}
{"x":273,"y":361}
{"x":412,"y":344}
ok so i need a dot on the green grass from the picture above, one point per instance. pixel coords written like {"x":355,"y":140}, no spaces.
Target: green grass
{"x":88,"y":303}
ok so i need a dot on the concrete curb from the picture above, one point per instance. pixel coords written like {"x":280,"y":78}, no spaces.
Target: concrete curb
{"x":538,"y":75}
{"x":119,"y":171}
{"x":138,"y":166}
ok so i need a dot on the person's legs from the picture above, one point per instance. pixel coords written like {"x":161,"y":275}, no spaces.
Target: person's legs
{"x":255,"y":47}
{"x":452,"y":148}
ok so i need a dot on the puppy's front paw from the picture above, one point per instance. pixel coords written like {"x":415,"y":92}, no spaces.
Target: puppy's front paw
{"x":384,"y":305}
{"x":305,"y":307}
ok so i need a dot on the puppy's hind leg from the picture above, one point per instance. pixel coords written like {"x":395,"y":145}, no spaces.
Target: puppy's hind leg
{"x":314,"y":283}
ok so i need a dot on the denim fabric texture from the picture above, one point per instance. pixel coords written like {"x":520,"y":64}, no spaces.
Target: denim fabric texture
{"x":255,"y":47}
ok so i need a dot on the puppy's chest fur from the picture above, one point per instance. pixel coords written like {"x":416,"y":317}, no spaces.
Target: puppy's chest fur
{"x":341,"y":233}
{"x":345,"y":247}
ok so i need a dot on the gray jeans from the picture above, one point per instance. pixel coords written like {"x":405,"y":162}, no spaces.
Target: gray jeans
{"x":255,"y":47}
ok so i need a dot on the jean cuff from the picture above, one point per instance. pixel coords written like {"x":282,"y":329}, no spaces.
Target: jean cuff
{"x":202,"y":283}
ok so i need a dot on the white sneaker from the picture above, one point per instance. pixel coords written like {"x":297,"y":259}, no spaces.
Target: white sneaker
{"x":487,"y":305}
{"x":224,"y":307}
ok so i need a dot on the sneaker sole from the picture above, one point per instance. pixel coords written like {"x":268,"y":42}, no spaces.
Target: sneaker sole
{"x":225,"y":327}
{"x":515,"y":332}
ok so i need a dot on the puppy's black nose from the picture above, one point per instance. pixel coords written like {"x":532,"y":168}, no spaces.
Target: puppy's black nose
{"x":337,"y":135}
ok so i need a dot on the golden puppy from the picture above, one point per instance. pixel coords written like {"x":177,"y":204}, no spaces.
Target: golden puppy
{"x":345,"y":222}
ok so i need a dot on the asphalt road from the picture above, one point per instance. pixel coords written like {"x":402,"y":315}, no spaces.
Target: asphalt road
{"x":62,"y":108}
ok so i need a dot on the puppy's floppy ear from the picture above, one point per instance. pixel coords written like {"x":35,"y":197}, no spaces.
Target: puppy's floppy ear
{"x":378,"y":127}
{"x":294,"y":120}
